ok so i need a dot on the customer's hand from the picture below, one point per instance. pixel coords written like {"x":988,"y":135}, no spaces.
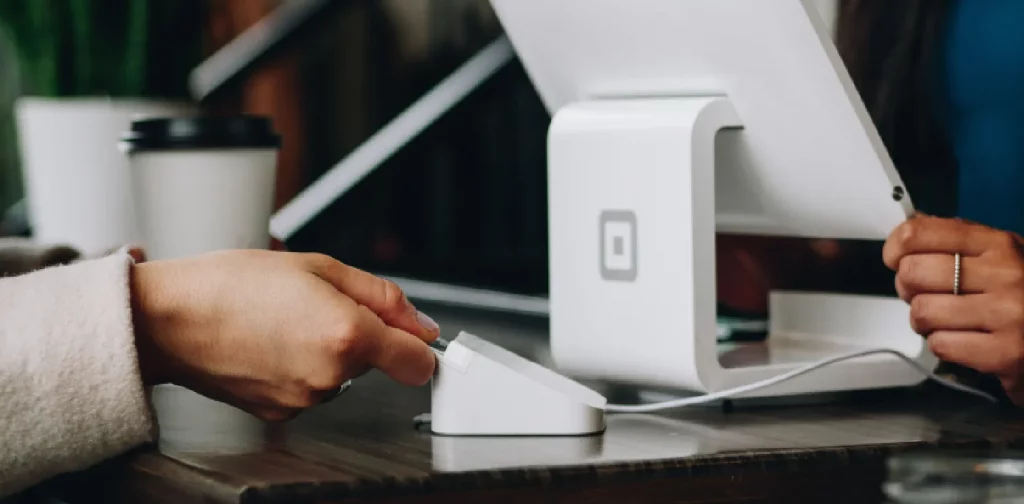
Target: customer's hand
{"x":983,"y":328}
{"x":273,"y":332}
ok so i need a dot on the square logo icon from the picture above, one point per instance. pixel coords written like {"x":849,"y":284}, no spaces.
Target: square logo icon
{"x":618,"y":245}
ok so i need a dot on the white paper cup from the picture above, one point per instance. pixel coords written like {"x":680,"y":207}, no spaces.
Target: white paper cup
{"x":77,"y":185}
{"x":202,"y":184}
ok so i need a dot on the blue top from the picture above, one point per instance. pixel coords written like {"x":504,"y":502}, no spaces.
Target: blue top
{"x":983,"y":77}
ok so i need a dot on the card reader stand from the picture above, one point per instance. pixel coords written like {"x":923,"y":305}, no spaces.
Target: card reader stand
{"x":632,"y":210}
{"x":481,"y":389}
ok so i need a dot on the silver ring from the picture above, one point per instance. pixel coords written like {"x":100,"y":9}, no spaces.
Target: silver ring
{"x":956,"y":274}
{"x":341,"y":390}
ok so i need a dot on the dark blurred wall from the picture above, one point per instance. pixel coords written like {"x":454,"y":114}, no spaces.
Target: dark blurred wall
{"x":463,"y":203}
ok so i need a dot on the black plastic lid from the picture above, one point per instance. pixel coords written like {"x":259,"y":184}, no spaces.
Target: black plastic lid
{"x":189,"y":133}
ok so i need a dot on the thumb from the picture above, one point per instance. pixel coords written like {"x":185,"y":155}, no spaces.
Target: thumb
{"x":383,"y":297}
{"x":396,"y":353}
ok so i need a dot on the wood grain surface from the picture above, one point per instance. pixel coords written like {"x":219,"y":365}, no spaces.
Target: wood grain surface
{"x":363,"y":447}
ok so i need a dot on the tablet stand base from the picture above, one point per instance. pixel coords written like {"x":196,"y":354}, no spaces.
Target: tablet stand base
{"x":633,"y":219}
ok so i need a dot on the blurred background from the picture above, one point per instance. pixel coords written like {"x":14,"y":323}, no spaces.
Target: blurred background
{"x":463,"y":203}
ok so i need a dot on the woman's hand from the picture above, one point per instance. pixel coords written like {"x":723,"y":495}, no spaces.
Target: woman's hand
{"x":273,"y":332}
{"x":983,"y":328}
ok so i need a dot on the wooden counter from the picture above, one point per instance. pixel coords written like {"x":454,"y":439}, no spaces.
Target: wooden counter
{"x":364,"y":448}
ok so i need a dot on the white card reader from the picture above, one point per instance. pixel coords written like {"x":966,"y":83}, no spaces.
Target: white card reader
{"x":481,"y":389}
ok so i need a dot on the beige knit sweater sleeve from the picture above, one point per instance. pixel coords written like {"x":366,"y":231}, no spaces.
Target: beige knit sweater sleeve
{"x":70,"y":390}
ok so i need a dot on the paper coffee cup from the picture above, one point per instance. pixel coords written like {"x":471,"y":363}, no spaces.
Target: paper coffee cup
{"x":77,"y":185}
{"x":202,"y":184}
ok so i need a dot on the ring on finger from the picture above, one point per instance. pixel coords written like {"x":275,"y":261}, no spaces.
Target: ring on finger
{"x":340,"y":390}
{"x":957,"y":273}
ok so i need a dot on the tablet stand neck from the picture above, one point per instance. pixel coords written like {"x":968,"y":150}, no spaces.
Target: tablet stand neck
{"x":632,"y":216}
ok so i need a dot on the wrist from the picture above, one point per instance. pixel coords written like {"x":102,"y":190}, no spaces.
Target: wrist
{"x":150,"y":311}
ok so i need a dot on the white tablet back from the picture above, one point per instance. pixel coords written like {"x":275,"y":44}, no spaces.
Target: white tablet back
{"x":808,"y":162}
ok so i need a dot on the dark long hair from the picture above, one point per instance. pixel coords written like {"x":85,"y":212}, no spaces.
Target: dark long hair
{"x":892,"y":50}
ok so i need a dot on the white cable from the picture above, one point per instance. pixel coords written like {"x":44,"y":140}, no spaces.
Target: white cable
{"x":725,"y":394}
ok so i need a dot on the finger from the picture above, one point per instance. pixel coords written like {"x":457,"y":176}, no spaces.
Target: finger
{"x":398,"y":354}
{"x":934,"y":273}
{"x":946,"y":312}
{"x":982,"y":351}
{"x":385,"y":298}
{"x":924,"y":235}
{"x":354,"y":370}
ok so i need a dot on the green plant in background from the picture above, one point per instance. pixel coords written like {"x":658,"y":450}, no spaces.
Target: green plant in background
{"x":10,"y":176}
{"x":116,"y":48}
{"x":91,"y":48}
